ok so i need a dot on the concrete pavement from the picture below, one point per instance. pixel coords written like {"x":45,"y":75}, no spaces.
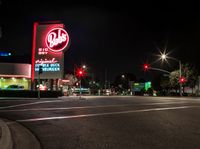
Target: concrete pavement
{"x":15,"y":136}
{"x":5,"y":137}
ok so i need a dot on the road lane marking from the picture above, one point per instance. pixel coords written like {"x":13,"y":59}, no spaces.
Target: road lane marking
{"x":32,"y":103}
{"x":88,"y":107}
{"x":104,"y":114}
{"x":166,"y":98}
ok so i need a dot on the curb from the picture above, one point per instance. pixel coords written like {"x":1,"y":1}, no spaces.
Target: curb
{"x":5,"y":139}
{"x":22,"y":138}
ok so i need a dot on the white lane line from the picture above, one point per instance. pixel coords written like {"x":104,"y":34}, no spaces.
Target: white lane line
{"x":104,"y":114}
{"x":32,"y":103}
{"x":89,"y":107}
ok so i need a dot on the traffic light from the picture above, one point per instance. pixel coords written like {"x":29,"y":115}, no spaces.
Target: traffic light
{"x":40,"y":69}
{"x":182,"y":80}
{"x":146,"y":67}
{"x":80,"y":73}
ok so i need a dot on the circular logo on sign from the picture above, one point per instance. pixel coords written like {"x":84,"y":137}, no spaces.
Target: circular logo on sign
{"x":57,"y":39}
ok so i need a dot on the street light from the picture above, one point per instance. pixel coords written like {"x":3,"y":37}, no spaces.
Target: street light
{"x":164,"y":57}
{"x":84,"y":66}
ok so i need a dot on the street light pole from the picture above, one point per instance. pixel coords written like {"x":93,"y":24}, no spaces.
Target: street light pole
{"x":180,"y":74}
{"x":164,"y":57}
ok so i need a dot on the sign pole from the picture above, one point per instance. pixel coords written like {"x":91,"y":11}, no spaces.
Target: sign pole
{"x":39,"y":86}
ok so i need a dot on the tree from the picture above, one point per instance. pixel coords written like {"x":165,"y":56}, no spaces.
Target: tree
{"x":122,"y":81}
{"x":174,"y":79}
{"x":150,"y":91}
{"x":72,"y":79}
{"x":142,"y":80}
{"x":190,"y":74}
{"x":165,"y":85}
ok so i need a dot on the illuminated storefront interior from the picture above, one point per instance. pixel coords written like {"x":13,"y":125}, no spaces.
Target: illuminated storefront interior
{"x":15,"y":76}
{"x":7,"y":83}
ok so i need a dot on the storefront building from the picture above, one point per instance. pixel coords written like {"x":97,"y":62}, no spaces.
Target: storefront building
{"x":50,"y":41}
{"x":15,"y":76}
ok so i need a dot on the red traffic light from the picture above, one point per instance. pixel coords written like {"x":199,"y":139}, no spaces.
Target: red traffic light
{"x":182,"y":80}
{"x":80,"y":73}
{"x":146,"y":66}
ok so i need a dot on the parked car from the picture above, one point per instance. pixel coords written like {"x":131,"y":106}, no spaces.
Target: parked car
{"x":15,"y":87}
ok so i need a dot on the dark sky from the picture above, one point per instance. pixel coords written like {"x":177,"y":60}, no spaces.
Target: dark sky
{"x":118,"y":36}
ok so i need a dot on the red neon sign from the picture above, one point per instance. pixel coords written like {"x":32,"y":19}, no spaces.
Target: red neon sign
{"x":57,"y":39}
{"x":46,"y":61}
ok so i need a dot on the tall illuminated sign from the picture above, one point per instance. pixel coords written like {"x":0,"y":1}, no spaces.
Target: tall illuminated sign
{"x":49,"y":43}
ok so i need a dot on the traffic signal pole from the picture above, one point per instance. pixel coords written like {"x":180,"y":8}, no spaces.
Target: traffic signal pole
{"x":147,"y":67}
{"x":158,"y":69}
{"x":80,"y":74}
{"x":80,"y":90}
{"x":180,"y":75}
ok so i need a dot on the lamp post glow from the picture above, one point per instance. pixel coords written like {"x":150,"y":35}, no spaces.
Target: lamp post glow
{"x":84,"y":66}
{"x":164,"y":57}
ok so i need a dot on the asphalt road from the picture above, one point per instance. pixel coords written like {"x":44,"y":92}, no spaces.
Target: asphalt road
{"x":109,"y":122}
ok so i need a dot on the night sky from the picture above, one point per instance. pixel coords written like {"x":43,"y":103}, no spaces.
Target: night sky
{"x":116,"y":36}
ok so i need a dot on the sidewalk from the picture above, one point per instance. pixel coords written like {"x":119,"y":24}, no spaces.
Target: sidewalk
{"x":15,"y":136}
